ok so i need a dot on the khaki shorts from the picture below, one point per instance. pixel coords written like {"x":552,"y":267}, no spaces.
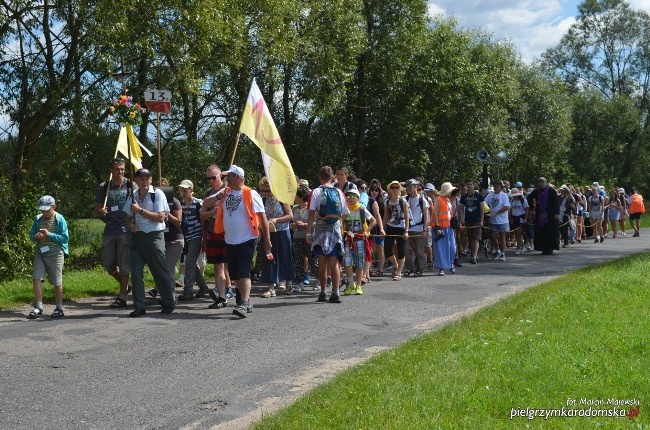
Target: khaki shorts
{"x":115,"y":253}
{"x":50,"y":264}
{"x":473,"y":232}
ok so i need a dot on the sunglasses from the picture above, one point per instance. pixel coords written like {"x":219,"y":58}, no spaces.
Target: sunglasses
{"x":363,"y":188}
{"x":211,"y":178}
{"x":351,"y":197}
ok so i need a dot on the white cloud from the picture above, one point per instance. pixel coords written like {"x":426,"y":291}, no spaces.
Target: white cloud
{"x":531,"y":25}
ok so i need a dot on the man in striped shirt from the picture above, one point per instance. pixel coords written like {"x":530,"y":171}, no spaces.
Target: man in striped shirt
{"x":191,"y":225}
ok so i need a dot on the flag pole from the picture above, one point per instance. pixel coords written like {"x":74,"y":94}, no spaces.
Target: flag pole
{"x":110,"y":178}
{"x":232,"y":160}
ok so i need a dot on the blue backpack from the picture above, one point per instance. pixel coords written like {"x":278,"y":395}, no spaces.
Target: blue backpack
{"x":331,"y":207}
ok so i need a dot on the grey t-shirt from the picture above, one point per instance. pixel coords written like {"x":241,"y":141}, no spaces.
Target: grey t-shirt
{"x":116,"y":217}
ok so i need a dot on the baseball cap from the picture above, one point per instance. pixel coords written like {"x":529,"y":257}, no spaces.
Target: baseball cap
{"x":352,"y":191}
{"x":45,"y":203}
{"x":235,"y":170}
{"x":142,"y":172}
{"x":519,"y":185}
{"x":186,"y":183}
{"x":412,"y":182}
{"x":595,"y":184}
{"x":621,"y":190}
{"x":429,"y":187}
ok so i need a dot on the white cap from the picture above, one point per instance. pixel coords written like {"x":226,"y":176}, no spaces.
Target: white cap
{"x":235,"y":170}
{"x":518,"y":184}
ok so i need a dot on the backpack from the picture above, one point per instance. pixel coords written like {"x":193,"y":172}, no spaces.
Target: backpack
{"x":400,"y":209}
{"x":331,"y":207}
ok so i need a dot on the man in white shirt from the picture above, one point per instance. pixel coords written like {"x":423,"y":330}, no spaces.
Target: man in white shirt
{"x":499,"y":205}
{"x":418,"y":228}
{"x":242,"y":219}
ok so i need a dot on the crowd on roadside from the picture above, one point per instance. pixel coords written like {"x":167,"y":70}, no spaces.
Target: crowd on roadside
{"x":338,"y":234}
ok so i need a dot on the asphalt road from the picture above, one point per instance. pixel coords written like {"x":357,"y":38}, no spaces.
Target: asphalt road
{"x":199,"y":368}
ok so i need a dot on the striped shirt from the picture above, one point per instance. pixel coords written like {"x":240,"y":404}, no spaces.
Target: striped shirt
{"x":191,"y":223}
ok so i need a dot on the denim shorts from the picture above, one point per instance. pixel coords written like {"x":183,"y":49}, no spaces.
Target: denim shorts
{"x":500,"y":228}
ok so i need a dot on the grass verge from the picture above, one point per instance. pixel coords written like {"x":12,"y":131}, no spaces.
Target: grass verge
{"x":581,"y":336}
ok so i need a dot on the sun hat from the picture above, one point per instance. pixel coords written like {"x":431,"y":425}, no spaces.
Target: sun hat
{"x":186,"y":183}
{"x":394,"y":183}
{"x":45,"y":203}
{"x":446,"y":189}
{"x":304,"y":183}
{"x":235,"y":170}
{"x":515,"y":193}
{"x":565,"y":188}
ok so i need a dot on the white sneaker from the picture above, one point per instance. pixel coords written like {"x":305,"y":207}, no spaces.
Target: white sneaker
{"x":623,"y":234}
{"x":501,"y":257}
{"x":518,"y":251}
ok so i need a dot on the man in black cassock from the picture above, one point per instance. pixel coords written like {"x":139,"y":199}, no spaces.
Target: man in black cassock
{"x":547,"y":216}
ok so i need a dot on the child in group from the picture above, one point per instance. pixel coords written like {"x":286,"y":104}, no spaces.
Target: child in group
{"x":355,"y":237}
{"x":50,"y":232}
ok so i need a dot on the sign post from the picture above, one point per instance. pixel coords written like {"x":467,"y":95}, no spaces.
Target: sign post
{"x":158,"y":101}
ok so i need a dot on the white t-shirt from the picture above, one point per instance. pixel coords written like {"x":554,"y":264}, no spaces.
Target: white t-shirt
{"x":236,"y":222}
{"x":496,"y":202}
{"x":417,"y":212}
{"x":518,"y":207}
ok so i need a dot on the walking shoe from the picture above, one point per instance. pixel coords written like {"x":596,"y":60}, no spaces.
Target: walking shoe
{"x":329,"y":282}
{"x":214,"y":294}
{"x":518,"y":251}
{"x":167,"y":310}
{"x":219,"y":303}
{"x":441,"y":272}
{"x":495,"y":255}
{"x":153,"y":293}
{"x":243,"y":309}
{"x":322,"y":297}
{"x":636,"y":234}
{"x":624,"y":234}
{"x":349,"y":289}
{"x":597,"y":239}
{"x":305,"y":279}
{"x":452,"y":270}
{"x":298,"y":288}
{"x":138,"y":313}
{"x":202,"y":293}
{"x":602,"y":239}
{"x":457,"y":263}
{"x":501,"y":257}
{"x":36,"y":313}
{"x":186,"y":297}
{"x":357,"y":290}
{"x":229,"y":293}
{"x":334,"y":298}
{"x":58,"y":313}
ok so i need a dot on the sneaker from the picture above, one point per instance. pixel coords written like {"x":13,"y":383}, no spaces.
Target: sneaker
{"x":298,"y":288}
{"x":529,"y":248}
{"x":452,"y":270}
{"x":597,"y":239}
{"x":501,"y":257}
{"x":357,"y":290}
{"x":322,"y":297}
{"x":167,"y":310}
{"x":329,"y":282}
{"x":179,"y":284}
{"x":305,"y":279}
{"x":36,"y":313}
{"x":243,"y":309}
{"x":334,"y":298}
{"x":153,"y":293}
{"x":58,"y":313}
{"x":473,"y":260}
{"x":138,"y":313}
{"x":214,"y":294}
{"x":316,"y":286}
{"x":518,"y":251}
{"x":636,"y":234}
{"x":202,"y":293}
{"x":229,"y":293}
{"x":441,"y":272}
{"x":457,"y":263}
{"x":349,"y":289}
{"x":602,"y":239}
{"x":624,"y":234}
{"x":186,"y":297}
{"x":219,"y":303}
{"x":495,"y":255}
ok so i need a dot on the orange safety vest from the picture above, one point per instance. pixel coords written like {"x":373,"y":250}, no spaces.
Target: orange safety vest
{"x":636,"y":205}
{"x":444,"y":216}
{"x":248,"y":203}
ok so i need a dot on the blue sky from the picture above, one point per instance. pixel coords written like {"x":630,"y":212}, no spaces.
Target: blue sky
{"x":531,"y":25}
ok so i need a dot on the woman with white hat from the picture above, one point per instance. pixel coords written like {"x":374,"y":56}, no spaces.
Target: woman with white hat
{"x":518,"y":208}
{"x":444,"y":242}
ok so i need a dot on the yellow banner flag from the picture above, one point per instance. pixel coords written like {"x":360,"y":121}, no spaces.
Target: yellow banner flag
{"x":258,"y":125}
{"x":127,"y":137}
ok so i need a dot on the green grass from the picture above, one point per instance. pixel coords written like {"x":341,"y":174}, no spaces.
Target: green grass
{"x":584,"y":335}
{"x":84,"y":233}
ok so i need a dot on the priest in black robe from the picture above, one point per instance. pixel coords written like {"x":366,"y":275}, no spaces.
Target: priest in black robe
{"x":546,"y":202}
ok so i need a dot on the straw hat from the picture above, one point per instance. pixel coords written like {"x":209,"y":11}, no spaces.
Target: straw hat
{"x":515,"y":193}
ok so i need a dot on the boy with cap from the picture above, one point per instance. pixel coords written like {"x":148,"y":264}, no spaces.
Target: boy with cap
{"x":50,"y":232}
{"x":356,"y":229}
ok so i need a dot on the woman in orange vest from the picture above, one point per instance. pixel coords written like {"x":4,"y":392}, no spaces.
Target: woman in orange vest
{"x":444,"y":242}
{"x":637,"y":208}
